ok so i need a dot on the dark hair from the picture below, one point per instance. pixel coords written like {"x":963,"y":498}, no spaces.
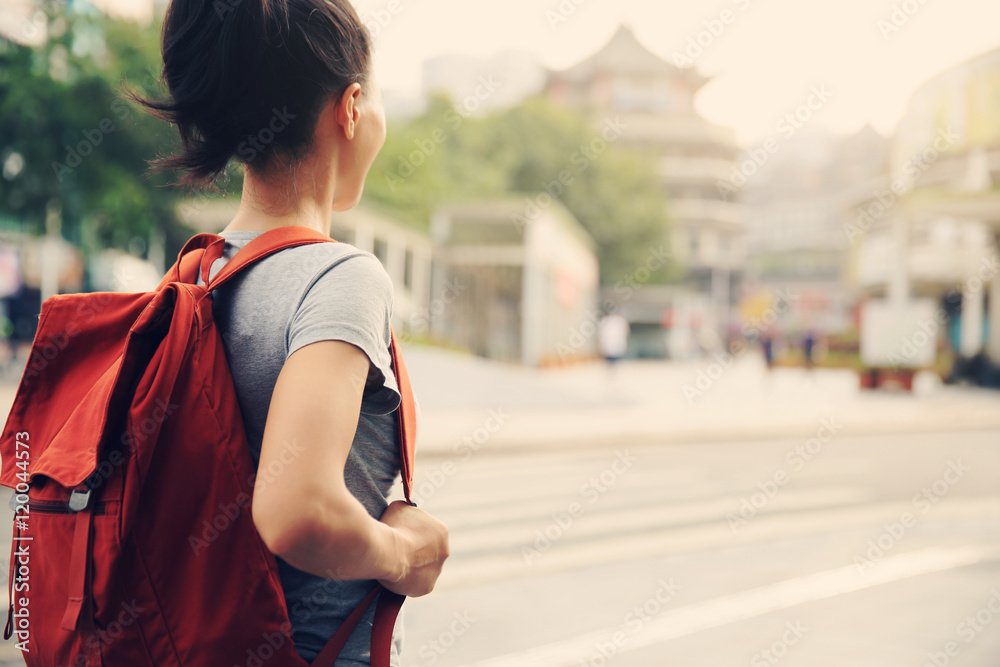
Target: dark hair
{"x":247,"y":79}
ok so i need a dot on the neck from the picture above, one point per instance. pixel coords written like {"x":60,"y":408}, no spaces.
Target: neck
{"x":305,"y":200}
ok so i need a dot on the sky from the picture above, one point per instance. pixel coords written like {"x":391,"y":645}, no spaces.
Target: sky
{"x":765,"y":56}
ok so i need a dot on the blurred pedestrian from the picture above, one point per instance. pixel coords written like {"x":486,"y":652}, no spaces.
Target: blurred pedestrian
{"x":809,"y":348}
{"x":767,"y":346}
{"x":612,"y":338}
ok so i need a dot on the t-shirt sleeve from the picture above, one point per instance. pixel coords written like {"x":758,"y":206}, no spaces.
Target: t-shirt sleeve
{"x":350,"y":299}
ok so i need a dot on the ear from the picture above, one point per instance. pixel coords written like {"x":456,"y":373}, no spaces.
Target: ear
{"x":347,"y":111}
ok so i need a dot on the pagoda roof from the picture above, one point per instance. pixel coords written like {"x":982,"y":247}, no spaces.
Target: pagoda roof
{"x":625,"y":53}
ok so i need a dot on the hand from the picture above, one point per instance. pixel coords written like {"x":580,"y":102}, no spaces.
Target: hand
{"x":425,"y":547}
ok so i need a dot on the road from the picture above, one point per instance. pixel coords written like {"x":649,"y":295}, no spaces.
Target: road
{"x":877,"y":551}
{"x":774,"y":519}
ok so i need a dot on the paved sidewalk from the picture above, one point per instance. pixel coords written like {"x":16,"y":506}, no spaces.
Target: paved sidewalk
{"x":468,"y":403}
{"x":472,"y":403}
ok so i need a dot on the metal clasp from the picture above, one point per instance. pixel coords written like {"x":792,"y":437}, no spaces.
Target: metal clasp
{"x":78,"y":500}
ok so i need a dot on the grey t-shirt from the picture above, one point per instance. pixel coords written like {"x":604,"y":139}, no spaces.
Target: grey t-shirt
{"x":298,"y":296}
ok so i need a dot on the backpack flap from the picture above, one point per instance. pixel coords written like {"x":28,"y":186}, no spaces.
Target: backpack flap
{"x":64,"y":393}
{"x":89,"y":353}
{"x":78,"y":383}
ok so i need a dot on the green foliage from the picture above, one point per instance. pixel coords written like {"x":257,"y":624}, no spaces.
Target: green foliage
{"x":70,"y":141}
{"x":444,"y":156}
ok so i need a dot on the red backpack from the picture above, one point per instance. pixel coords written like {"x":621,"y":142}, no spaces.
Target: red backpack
{"x":124,"y":443}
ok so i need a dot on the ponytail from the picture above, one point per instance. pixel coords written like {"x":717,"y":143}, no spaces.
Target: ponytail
{"x":247,"y":79}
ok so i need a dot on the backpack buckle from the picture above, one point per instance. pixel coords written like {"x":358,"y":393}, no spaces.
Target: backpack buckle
{"x":78,"y":499}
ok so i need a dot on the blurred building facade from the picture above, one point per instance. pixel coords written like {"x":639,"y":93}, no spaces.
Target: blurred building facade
{"x":931,"y":231}
{"x":405,"y":253}
{"x":473,"y":84}
{"x":655,"y":101}
{"x":480,"y":84}
{"x":24,"y":21}
{"x":796,"y":211}
{"x":522,"y":294}
{"x":517,"y":293}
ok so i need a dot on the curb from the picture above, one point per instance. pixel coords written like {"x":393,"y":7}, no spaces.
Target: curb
{"x":701,"y":436}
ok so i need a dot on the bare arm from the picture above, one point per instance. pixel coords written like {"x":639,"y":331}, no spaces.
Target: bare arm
{"x":305,"y":513}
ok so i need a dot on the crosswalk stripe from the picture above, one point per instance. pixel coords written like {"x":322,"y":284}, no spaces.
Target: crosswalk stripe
{"x":463,"y":492}
{"x":500,"y":508}
{"x":558,"y":558}
{"x":694,"y":618}
{"x":597,"y":520}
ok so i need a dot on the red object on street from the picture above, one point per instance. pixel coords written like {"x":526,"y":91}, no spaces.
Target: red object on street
{"x":879,"y":378}
{"x":133,"y":538}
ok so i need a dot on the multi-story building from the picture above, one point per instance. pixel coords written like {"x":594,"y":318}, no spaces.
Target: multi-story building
{"x":523,"y":294}
{"x":655,"y":101}
{"x":481,"y":84}
{"x":404,"y":252}
{"x":518,"y":293}
{"x":931,"y":232}
{"x":796,"y":213}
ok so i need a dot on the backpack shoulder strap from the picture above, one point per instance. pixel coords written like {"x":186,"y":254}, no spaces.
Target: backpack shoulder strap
{"x":278,"y":239}
{"x":407,"y":419}
{"x":268,"y":243}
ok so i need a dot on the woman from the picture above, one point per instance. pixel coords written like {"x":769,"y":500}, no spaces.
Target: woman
{"x":285,"y":87}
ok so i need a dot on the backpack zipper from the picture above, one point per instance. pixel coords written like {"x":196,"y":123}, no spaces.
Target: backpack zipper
{"x":37,"y":506}
{"x":61,"y":507}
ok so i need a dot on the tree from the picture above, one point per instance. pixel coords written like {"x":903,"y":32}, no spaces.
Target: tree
{"x":70,"y":143}
{"x":443,"y":155}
